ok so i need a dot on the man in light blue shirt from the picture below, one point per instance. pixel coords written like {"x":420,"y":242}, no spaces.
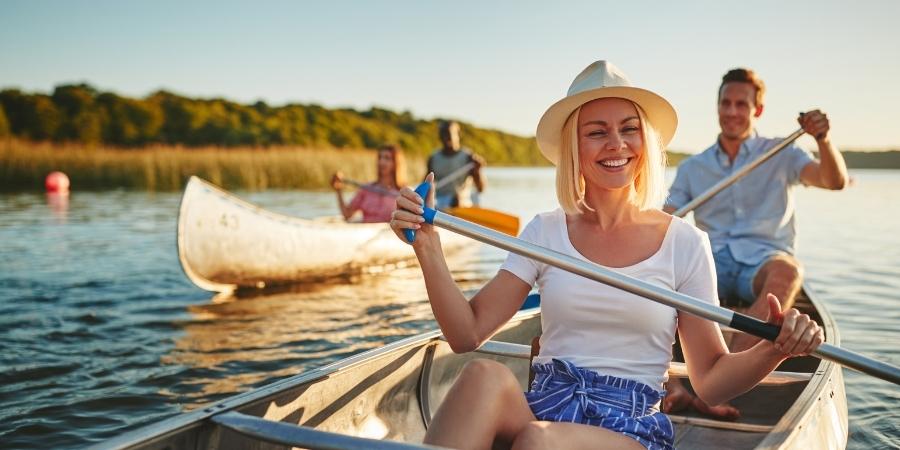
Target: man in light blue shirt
{"x":751,"y":223}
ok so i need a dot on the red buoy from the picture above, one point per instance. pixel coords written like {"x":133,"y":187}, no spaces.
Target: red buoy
{"x":57,"y":183}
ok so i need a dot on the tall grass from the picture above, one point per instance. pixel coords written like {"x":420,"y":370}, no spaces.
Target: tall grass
{"x":23,"y":166}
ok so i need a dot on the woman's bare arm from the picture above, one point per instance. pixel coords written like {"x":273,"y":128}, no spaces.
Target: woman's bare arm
{"x":718,"y":375}
{"x":466,"y":324}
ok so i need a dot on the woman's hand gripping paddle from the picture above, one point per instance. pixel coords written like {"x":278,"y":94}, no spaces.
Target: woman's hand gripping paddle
{"x":422,"y":191}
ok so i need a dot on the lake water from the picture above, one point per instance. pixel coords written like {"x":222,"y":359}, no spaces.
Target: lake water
{"x":100,"y":332}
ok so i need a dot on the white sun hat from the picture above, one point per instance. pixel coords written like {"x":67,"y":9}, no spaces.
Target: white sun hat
{"x":602,"y":79}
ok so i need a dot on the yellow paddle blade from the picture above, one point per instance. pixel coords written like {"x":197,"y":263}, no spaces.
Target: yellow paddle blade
{"x":493,"y":219}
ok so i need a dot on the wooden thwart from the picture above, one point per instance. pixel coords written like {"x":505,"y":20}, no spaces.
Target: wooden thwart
{"x":676,"y":369}
{"x":721,"y":424}
{"x":776,"y":378}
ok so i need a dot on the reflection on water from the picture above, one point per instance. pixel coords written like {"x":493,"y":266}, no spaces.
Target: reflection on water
{"x":850,"y":245}
{"x":303,"y":326}
{"x":100,"y":331}
{"x":59,"y":205}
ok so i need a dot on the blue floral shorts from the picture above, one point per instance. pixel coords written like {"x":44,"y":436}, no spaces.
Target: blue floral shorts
{"x":562,"y":392}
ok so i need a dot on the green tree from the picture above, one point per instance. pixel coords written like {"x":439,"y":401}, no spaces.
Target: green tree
{"x":4,"y":123}
{"x":80,"y":113}
{"x":80,"y":119}
{"x":130,"y":122}
{"x":30,"y":116}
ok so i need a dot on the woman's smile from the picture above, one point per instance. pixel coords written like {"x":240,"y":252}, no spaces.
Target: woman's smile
{"x":614,"y":164}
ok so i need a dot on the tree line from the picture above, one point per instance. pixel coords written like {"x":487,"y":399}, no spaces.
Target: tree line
{"x":79,"y":113}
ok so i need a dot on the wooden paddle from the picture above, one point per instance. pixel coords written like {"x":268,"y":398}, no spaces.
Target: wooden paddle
{"x":464,"y":170}
{"x":372,"y":188}
{"x":491,"y":218}
{"x":650,"y":291}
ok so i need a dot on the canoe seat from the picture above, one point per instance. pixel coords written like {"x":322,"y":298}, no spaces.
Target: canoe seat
{"x":720,"y":424}
{"x":676,"y":370}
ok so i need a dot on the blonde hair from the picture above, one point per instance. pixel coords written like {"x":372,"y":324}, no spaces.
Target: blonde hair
{"x":399,"y":163}
{"x":649,"y":182}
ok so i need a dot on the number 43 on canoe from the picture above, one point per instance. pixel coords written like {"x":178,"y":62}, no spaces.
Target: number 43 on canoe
{"x":225,"y":243}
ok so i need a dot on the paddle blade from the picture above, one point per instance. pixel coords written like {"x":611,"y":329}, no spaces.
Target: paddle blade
{"x":490,"y":218}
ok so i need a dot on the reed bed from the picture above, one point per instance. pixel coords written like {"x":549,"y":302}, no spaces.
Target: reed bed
{"x":24,"y":165}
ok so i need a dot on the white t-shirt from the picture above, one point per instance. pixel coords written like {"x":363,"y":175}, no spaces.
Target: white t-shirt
{"x":605,"y":329}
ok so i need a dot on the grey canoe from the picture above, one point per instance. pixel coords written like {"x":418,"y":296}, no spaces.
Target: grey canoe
{"x":225,"y":243}
{"x":385,"y":398}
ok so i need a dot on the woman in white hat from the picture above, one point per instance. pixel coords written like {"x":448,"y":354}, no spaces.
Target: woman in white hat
{"x":604,"y":352}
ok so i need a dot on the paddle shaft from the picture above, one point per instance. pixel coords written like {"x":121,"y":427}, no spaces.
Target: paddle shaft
{"x":644,"y":289}
{"x":372,"y":188}
{"x":464,"y":170}
{"x":731,"y":179}
{"x":443,"y":181}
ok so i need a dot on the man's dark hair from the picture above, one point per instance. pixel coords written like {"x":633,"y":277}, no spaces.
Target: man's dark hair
{"x":444,"y":126}
{"x":742,"y":75}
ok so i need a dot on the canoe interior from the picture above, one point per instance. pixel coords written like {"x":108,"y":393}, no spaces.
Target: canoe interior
{"x":803,"y":415}
{"x":390,"y":393}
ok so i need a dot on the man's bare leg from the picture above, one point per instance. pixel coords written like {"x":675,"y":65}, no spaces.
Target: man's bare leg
{"x":781,"y":275}
{"x":677,"y":398}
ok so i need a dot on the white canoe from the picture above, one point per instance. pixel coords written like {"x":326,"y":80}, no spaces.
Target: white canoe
{"x":385,"y":398}
{"x":226,"y":243}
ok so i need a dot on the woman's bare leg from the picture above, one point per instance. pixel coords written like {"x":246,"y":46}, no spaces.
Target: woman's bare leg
{"x":544,"y":435}
{"x":485,"y":404}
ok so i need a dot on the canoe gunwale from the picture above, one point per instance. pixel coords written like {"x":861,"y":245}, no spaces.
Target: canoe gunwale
{"x":197,"y":418}
{"x":801,"y":412}
{"x":283,"y":433}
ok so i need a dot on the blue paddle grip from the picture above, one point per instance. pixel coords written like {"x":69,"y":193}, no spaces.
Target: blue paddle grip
{"x":422,"y":191}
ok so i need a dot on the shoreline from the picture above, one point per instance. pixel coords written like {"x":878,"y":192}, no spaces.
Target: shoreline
{"x":24,"y":165}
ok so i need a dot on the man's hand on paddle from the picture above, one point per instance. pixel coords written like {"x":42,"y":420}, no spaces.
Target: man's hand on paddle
{"x":815,"y":123}
{"x":478,"y":162}
{"x":799,"y":335}
{"x":337,"y":181}
{"x":408,"y":215}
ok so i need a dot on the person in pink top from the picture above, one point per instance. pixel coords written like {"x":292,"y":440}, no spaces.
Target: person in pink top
{"x":376,"y":200}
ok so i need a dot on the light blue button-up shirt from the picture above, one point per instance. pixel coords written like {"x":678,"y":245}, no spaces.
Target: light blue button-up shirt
{"x":754,"y":217}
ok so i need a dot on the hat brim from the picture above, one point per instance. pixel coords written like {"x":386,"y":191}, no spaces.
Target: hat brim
{"x":659,"y":112}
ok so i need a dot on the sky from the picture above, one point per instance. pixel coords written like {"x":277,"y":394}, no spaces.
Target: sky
{"x":494,"y":64}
